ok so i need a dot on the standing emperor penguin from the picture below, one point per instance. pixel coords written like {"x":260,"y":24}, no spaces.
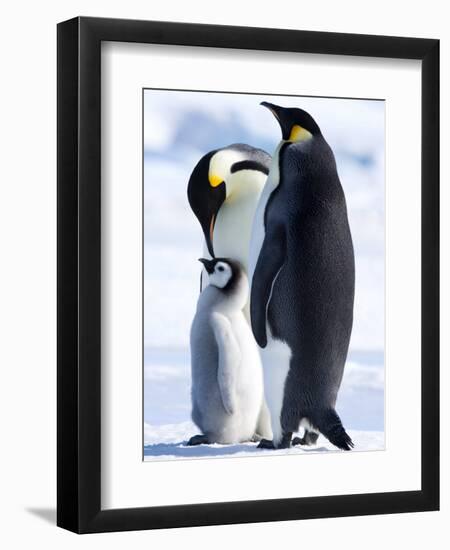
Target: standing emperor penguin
{"x":223,"y":192}
{"x":227,"y":379}
{"x":302,"y":274}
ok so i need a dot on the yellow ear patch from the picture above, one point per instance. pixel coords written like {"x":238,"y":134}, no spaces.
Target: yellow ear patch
{"x":214,"y":180}
{"x":298,"y":133}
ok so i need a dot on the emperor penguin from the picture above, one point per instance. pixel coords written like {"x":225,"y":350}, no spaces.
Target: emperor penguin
{"x":227,"y":380}
{"x":223,"y":192}
{"x":302,"y":273}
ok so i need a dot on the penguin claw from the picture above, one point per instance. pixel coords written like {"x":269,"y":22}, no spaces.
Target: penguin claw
{"x":266,"y":444}
{"x":310,"y":438}
{"x":198,"y":440}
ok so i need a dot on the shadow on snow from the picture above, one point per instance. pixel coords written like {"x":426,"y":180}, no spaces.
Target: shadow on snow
{"x":183,"y":450}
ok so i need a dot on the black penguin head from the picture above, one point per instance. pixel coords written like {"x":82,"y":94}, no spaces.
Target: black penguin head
{"x":205,"y":198}
{"x":214,"y":179}
{"x":296,"y":124}
{"x":222,"y":272}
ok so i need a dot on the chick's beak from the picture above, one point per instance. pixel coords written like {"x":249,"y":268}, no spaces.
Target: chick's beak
{"x":209,"y":264}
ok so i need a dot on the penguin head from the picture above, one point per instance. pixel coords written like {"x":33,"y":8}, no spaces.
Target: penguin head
{"x":205,"y":199}
{"x":218,"y":176}
{"x":221,"y":271}
{"x":296,"y":124}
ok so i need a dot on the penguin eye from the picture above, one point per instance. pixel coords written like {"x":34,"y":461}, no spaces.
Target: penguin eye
{"x":220,"y":268}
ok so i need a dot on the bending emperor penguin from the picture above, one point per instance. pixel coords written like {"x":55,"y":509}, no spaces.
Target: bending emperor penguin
{"x":302,"y":286}
{"x":227,"y":379}
{"x":223,"y":192}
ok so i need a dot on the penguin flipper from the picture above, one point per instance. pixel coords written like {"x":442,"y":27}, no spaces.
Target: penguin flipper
{"x":229,"y":360}
{"x":269,"y":264}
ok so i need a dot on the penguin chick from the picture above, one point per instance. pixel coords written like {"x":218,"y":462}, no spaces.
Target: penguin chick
{"x":227,"y":380}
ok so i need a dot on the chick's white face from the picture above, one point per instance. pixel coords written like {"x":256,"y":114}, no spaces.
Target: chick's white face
{"x":221,"y":275}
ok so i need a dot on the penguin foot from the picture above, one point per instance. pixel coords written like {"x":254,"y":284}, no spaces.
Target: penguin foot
{"x":309,"y":438}
{"x":285,"y":442}
{"x":266,"y":444}
{"x":256,"y":438}
{"x":198,"y":440}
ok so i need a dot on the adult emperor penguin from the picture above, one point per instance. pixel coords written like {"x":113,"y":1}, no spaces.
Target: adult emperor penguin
{"x":223,"y":192}
{"x":303,"y":282}
{"x":227,"y":379}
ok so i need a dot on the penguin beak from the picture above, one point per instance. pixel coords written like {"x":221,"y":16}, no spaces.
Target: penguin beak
{"x":209,"y":264}
{"x":281,"y":114}
{"x":205,"y":201}
{"x":207,"y":215}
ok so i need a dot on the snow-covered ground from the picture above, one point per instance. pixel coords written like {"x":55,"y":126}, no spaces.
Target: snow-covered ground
{"x":168,"y":442}
{"x":167,"y":407}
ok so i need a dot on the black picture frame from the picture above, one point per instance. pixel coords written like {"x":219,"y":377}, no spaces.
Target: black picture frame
{"x":79,"y":276}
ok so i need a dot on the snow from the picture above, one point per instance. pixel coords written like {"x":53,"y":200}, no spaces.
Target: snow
{"x":167,"y":407}
{"x":168,"y":442}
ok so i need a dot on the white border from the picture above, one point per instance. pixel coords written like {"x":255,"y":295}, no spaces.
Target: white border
{"x":127,"y":481}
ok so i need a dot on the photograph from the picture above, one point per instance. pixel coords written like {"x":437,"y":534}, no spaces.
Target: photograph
{"x":264,"y":274}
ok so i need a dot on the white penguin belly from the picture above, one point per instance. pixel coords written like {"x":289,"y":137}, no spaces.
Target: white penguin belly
{"x":276,"y":356}
{"x":249,"y":385}
{"x":232,"y":231}
{"x":233,"y":227}
{"x":251,"y":373}
{"x":276,"y":359}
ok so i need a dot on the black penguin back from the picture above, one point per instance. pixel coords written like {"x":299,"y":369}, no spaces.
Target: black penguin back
{"x":311,"y":304}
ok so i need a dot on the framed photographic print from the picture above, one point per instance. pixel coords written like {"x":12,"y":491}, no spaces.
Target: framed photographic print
{"x":293,"y":372}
